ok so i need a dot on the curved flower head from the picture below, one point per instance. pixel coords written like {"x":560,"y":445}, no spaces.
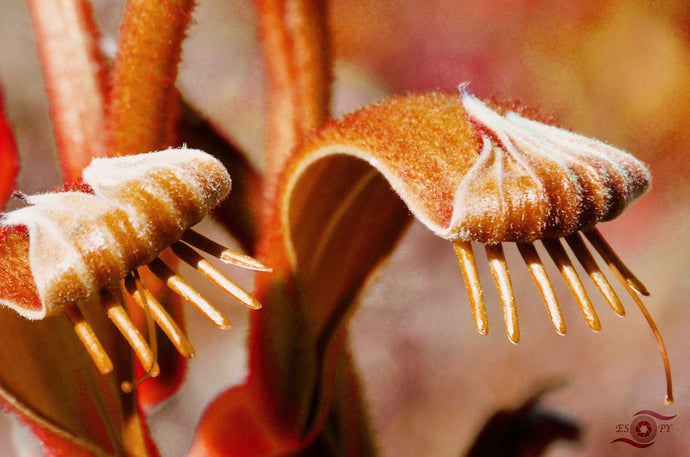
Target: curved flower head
{"x":533,"y":181}
{"x":66,"y":247}
{"x":472,"y":172}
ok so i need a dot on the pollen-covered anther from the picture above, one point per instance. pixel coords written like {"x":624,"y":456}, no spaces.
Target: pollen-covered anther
{"x":535,"y":182}
{"x":499,"y":270}
{"x":67,"y":247}
{"x":206,"y":268}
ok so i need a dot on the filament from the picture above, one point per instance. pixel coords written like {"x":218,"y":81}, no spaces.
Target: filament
{"x":577,"y":289}
{"x":192,"y":258}
{"x":184,"y":290}
{"x":614,"y":262}
{"x":541,"y":279}
{"x":160,"y":315}
{"x":468,"y":266}
{"x":499,"y":270}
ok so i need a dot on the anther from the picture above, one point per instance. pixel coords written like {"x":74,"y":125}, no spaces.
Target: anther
{"x":589,"y":264}
{"x":89,"y":339}
{"x":117,"y":314}
{"x":160,"y":315}
{"x":611,"y":258}
{"x":541,"y":279}
{"x":221,"y":252}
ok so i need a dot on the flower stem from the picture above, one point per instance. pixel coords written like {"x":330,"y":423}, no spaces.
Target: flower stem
{"x":144,"y":109}
{"x":75,"y":76}
{"x":296,"y":53}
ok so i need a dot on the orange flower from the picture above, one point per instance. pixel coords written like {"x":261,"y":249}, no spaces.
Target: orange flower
{"x":472,"y":174}
{"x":334,"y":199}
{"x":66,"y":247}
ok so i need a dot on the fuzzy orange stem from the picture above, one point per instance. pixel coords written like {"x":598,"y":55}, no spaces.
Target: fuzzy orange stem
{"x":75,"y":80}
{"x":295,"y":38}
{"x":144,"y":97}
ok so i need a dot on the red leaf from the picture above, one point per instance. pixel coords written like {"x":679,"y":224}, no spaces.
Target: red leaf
{"x":9,"y":158}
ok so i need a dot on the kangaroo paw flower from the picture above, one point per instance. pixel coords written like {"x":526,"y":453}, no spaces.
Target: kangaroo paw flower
{"x":66,"y":247}
{"x":478,"y":173}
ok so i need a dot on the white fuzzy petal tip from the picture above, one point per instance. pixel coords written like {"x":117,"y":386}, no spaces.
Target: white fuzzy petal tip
{"x":533,"y":180}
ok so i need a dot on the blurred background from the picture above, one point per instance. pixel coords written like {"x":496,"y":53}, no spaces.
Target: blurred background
{"x":615,"y":70}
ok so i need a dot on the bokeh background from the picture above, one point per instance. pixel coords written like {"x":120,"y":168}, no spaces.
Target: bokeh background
{"x":615,"y":70}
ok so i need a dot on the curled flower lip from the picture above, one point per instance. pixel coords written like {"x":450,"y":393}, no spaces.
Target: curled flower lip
{"x":66,"y":247}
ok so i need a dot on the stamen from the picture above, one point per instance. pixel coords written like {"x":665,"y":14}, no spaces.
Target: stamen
{"x":590,"y":265}
{"x":657,"y":336}
{"x":88,"y":338}
{"x":180,"y":287}
{"x":219,"y":251}
{"x":192,"y":258}
{"x":499,"y":270}
{"x":160,"y":315}
{"x":541,"y":279}
{"x":624,"y":277}
{"x":116,"y":312}
{"x":614,"y":262}
{"x":128,"y":386}
{"x":577,"y":289}
{"x":468,"y":266}
{"x":150,"y":326}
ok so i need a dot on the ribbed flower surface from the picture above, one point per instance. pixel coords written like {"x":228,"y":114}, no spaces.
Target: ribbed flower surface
{"x":533,"y":180}
{"x":69,"y":245}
